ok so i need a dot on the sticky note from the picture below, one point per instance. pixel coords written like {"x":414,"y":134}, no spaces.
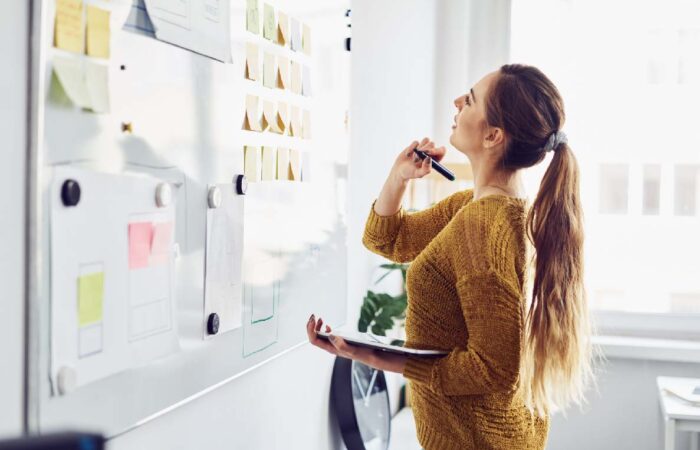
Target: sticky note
{"x":283,"y":72}
{"x":252,"y":62}
{"x":282,"y":117}
{"x":307,"y":125}
{"x":295,"y":165}
{"x":97,"y":82}
{"x":140,"y":236}
{"x":97,"y":32}
{"x":306,"y":166}
{"x":295,"y":31}
{"x":296,"y":77}
{"x":90,"y":298}
{"x":306,"y":82}
{"x":306,"y":39}
{"x":268,"y":115}
{"x":251,"y":163}
{"x":269,"y":162}
{"x":269,"y":27}
{"x":269,"y":70}
{"x":283,"y":164}
{"x":161,"y":244}
{"x":295,"y":123}
{"x":69,"y":33}
{"x":251,"y":121}
{"x":282,"y":29}
{"x":252,"y":17}
{"x":70,"y":73}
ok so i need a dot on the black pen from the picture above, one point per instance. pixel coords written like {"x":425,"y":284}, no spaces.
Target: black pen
{"x":435,"y":165}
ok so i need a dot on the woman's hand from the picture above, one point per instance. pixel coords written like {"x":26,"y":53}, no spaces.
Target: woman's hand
{"x":379,"y":360}
{"x":408,"y":165}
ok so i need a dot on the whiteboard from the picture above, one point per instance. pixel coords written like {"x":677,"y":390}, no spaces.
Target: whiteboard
{"x":185,"y":112}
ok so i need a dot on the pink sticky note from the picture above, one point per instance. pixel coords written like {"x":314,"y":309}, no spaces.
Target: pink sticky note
{"x":140,"y":236}
{"x":162,"y":237}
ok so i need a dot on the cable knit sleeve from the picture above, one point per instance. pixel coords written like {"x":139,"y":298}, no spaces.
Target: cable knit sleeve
{"x":490,"y":360}
{"x":402,"y":236}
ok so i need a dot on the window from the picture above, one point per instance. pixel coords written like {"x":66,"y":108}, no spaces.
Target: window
{"x":629,"y":74}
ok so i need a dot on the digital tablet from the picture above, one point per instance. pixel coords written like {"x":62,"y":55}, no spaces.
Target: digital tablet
{"x":382,"y":343}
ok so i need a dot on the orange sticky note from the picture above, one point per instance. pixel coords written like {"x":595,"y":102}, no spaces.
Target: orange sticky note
{"x":97,"y":32}
{"x":69,"y":32}
{"x":283,"y":164}
{"x":140,"y":236}
{"x":251,"y":120}
{"x":283,"y":72}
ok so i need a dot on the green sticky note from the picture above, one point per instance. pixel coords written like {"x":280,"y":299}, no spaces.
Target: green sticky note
{"x":269,"y":23}
{"x":90,"y":295}
{"x":253,"y":17}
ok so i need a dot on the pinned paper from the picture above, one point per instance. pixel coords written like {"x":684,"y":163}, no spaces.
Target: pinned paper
{"x":294,"y":165}
{"x":296,"y":35}
{"x":269,"y":161}
{"x":97,"y":81}
{"x":268,"y":117}
{"x":251,"y":164}
{"x":160,"y":247}
{"x":282,"y":29}
{"x":252,"y":62}
{"x":296,"y":77}
{"x":140,"y":236}
{"x":283,"y":169}
{"x":252,"y":16}
{"x":269,"y":71}
{"x":275,"y":125}
{"x":251,"y":120}
{"x":306,"y":40}
{"x":90,"y":298}
{"x":71,"y":75}
{"x":306,"y":166}
{"x":97,"y":32}
{"x":307,"y":124}
{"x":269,"y":27}
{"x":69,"y":33}
{"x":295,"y":123}
{"x":282,"y":117}
{"x":306,"y":82}
{"x":283,"y":72}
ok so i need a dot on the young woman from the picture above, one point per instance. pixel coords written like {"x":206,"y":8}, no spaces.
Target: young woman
{"x":511,"y":361}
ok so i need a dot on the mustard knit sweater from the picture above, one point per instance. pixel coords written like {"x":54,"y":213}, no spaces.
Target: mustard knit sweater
{"x":466,"y":294}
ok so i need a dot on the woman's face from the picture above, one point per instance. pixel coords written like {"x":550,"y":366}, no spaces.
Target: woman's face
{"x":470,"y":129}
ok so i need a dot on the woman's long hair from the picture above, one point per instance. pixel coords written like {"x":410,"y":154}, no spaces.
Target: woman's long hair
{"x":557,"y":356}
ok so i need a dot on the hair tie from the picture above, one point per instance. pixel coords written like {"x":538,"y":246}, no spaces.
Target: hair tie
{"x":555,"y":139}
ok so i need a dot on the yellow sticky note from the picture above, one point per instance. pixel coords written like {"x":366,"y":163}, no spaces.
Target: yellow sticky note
{"x":69,"y":33}
{"x":269,"y":27}
{"x":306,"y":166}
{"x":252,"y":17}
{"x":71,"y":74}
{"x":90,"y":298}
{"x":251,"y":163}
{"x":252,"y":62}
{"x":282,"y":29}
{"x":283,"y":72}
{"x":282,"y":117}
{"x":269,"y":70}
{"x":268,"y":115}
{"x":97,"y":32}
{"x":306,"y":40}
{"x":251,"y":121}
{"x":295,"y":123}
{"x":269,"y":161}
{"x":97,"y":82}
{"x":283,"y":164}
{"x":295,"y":165}
{"x":306,"y":82}
{"x":306,"y":125}
{"x":296,"y":77}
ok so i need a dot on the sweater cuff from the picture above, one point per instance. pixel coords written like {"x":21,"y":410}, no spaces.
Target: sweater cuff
{"x":419,"y":370}
{"x":383,"y":226}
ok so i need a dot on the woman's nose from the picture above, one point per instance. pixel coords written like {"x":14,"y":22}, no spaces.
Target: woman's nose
{"x":459,"y":101}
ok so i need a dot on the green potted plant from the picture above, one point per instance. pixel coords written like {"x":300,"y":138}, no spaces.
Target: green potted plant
{"x":380,"y":311}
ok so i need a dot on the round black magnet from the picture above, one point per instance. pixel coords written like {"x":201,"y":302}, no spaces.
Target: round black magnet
{"x":70,"y":193}
{"x":241,"y":184}
{"x":213,"y":323}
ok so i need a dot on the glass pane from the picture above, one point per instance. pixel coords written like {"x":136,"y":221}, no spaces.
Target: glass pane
{"x":686,"y":190}
{"x":651,"y":189}
{"x":614,"y":181}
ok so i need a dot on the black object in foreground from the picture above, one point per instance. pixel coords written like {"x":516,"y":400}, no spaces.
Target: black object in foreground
{"x":442,"y":170}
{"x":56,"y":441}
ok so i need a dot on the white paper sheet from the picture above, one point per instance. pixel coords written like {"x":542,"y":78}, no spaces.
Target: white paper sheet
{"x":202,"y":26}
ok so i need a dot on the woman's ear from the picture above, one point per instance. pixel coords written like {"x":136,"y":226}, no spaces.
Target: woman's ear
{"x":494,"y":137}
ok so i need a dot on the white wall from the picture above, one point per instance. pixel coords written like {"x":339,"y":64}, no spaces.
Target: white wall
{"x":13,"y":81}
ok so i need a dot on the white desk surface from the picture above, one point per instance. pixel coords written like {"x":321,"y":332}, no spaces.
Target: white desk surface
{"x":673,"y":407}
